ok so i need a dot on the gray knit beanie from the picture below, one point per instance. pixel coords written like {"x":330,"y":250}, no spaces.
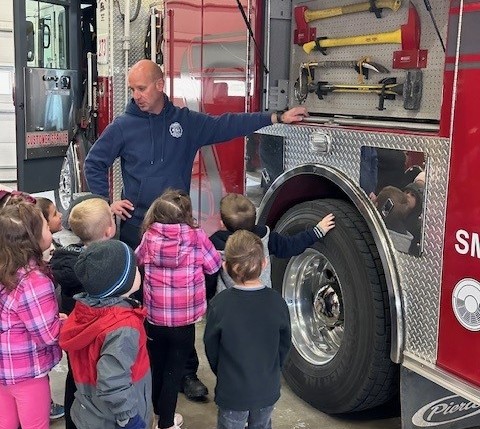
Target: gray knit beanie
{"x":106,"y":268}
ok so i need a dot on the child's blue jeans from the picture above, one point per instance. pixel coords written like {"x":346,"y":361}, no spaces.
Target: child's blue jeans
{"x":257,"y":419}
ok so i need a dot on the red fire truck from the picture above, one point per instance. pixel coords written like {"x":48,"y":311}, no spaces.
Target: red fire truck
{"x":392,"y":91}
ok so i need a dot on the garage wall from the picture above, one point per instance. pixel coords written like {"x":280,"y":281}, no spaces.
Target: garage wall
{"x":7,"y":112}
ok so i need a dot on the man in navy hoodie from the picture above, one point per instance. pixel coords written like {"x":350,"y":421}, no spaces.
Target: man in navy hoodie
{"x":157,"y":143}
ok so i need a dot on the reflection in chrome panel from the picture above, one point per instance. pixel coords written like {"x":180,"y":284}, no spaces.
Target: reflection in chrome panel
{"x":395,"y":181}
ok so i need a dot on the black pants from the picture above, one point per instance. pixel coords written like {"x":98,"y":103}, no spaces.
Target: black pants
{"x":131,"y":236}
{"x":69,"y":397}
{"x":192,"y":363}
{"x":169,"y":349}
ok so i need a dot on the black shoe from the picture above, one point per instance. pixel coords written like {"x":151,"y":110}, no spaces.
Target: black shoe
{"x":193,"y":388}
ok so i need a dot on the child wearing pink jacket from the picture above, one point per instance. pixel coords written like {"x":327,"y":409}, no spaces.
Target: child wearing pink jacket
{"x":29,"y":319}
{"x":176,"y":255}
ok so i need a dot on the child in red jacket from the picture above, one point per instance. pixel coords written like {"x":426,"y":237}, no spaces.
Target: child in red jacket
{"x":106,"y":341}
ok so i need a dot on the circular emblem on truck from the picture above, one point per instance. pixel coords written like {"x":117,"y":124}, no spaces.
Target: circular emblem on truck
{"x":466,"y":303}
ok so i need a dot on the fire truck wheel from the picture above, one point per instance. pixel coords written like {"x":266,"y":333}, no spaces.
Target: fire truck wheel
{"x":339,"y":308}
{"x":67,"y":186}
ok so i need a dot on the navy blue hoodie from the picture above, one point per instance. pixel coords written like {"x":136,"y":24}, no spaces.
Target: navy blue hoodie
{"x":157,"y":151}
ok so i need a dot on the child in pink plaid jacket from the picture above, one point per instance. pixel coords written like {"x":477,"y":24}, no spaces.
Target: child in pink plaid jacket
{"x":29,"y":319}
{"x":176,"y":255}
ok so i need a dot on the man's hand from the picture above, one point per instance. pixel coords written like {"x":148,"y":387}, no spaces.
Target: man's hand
{"x":296,"y":114}
{"x":122,"y":209}
{"x":327,"y":223}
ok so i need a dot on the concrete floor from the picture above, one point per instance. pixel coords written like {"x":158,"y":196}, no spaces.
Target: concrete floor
{"x":290,"y":411}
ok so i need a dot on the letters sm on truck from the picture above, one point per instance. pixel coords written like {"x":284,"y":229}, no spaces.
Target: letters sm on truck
{"x":391,"y":89}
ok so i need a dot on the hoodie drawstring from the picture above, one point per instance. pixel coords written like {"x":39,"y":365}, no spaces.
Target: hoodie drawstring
{"x":151,"y":121}
{"x":152,"y":141}
{"x":162,"y":152}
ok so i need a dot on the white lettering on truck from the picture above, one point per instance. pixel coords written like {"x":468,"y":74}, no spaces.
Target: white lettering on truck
{"x":467,"y":243}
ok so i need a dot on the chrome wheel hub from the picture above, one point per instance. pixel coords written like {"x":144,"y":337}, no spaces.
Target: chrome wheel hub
{"x":314,"y":296}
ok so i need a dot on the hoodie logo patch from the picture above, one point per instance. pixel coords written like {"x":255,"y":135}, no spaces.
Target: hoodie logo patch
{"x":176,"y":130}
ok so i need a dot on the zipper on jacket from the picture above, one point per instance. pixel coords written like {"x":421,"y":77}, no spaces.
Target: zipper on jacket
{"x":151,"y":120}
{"x":164,"y":119}
{"x":152,"y":140}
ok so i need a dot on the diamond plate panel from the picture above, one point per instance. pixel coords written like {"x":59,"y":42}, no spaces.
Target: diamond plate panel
{"x":420,"y":277}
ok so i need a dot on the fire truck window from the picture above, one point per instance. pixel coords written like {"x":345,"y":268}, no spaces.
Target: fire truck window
{"x":46,"y":35}
{"x":395,"y":181}
{"x":264,"y":163}
{"x":234,"y":87}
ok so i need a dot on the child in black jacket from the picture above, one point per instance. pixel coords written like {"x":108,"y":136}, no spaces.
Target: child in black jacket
{"x":245,"y":344}
{"x":238,"y":212}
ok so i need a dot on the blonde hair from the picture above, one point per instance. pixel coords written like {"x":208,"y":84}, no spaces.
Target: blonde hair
{"x":173,"y":206}
{"x":237,"y":212}
{"x":21,"y":226}
{"x":244,"y":256}
{"x":90,"y":219}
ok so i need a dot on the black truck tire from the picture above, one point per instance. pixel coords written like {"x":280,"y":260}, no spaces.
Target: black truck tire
{"x":339,"y":307}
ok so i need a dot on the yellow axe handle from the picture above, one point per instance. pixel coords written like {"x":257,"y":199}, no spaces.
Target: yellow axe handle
{"x":312,"y":15}
{"x":366,"y":39}
{"x":366,"y":90}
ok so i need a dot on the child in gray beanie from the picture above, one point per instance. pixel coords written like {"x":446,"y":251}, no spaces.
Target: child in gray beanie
{"x":106,"y":341}
{"x":107,"y":269}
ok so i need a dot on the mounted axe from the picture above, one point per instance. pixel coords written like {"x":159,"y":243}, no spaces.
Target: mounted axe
{"x":408,"y":35}
{"x":306,"y":73}
{"x":386,"y":89}
{"x":303,"y":15}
